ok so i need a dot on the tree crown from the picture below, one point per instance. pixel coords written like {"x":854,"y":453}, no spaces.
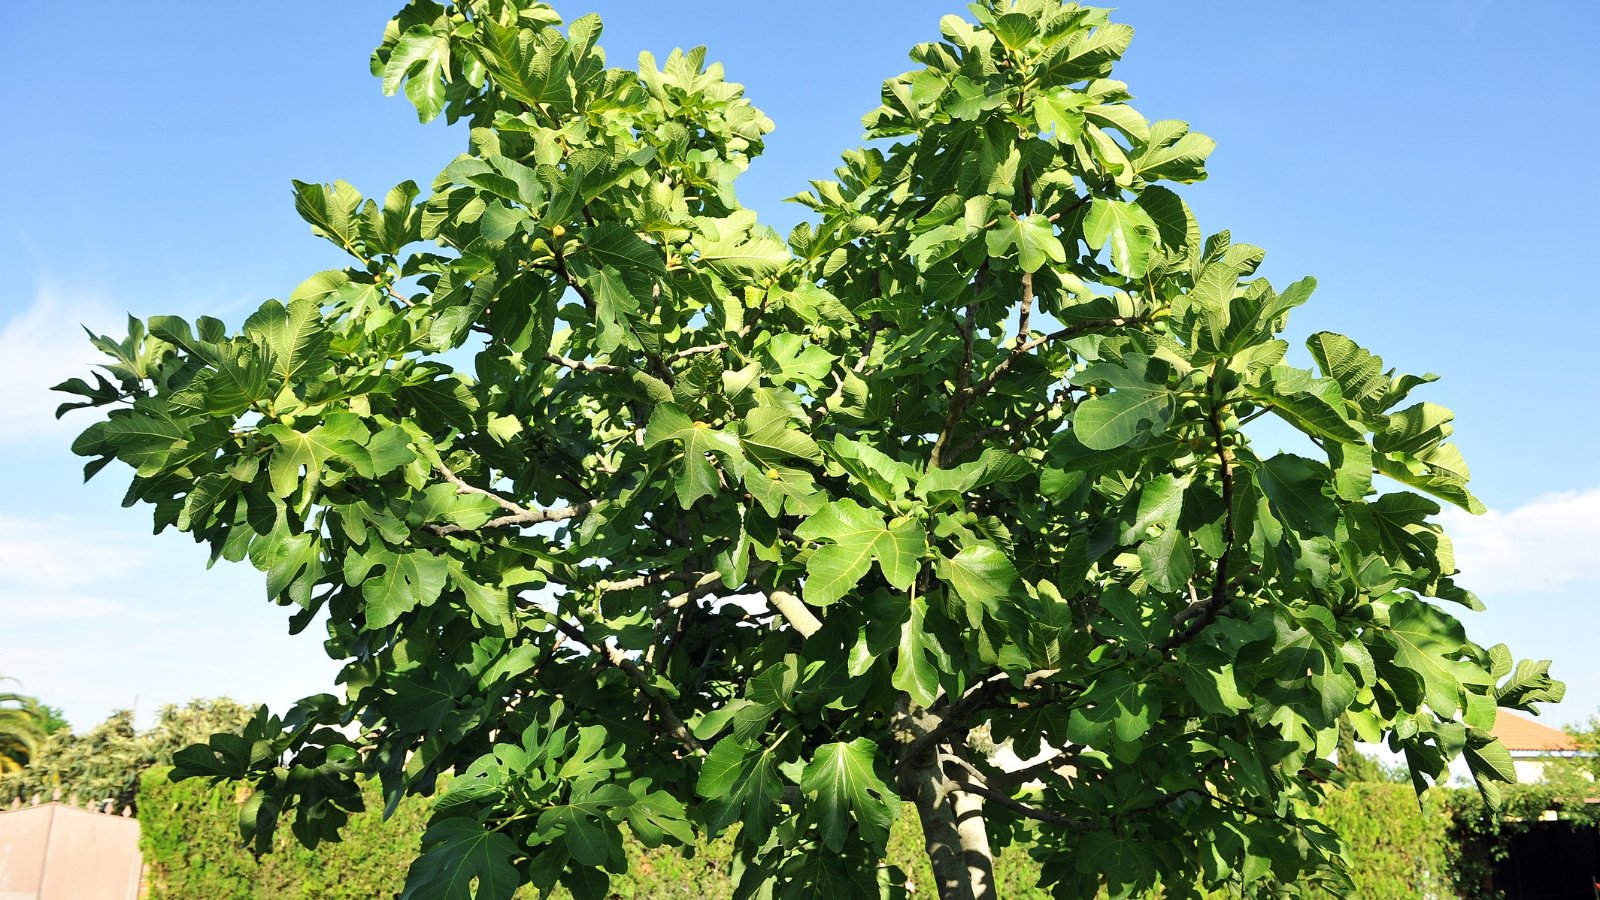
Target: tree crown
{"x":633,"y":514}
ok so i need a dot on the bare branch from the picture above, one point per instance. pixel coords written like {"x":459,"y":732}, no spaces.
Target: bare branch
{"x":399,"y":297}
{"x":579,"y":365}
{"x":705,"y":586}
{"x":517,"y":515}
{"x":953,"y":719}
{"x":795,"y":612}
{"x":1027,"y":309}
{"x":648,"y":579}
{"x":696,"y":351}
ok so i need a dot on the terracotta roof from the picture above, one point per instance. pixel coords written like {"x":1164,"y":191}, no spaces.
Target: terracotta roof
{"x":1521,"y":733}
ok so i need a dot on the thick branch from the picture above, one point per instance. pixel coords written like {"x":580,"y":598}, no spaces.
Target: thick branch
{"x":705,"y":586}
{"x":953,"y":719}
{"x":1027,"y":309}
{"x":799,"y":616}
{"x":971,"y":781}
{"x":648,"y":579}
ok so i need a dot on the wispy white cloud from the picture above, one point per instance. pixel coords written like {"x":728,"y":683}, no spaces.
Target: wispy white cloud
{"x":59,"y":553}
{"x":44,"y":345}
{"x":1549,"y":544}
{"x":98,"y":618}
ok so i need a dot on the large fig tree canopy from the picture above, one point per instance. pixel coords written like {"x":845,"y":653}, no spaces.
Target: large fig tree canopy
{"x":649,"y":524}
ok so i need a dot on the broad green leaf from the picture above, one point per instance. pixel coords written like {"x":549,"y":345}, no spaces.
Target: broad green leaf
{"x":740,"y":779}
{"x":1174,"y":152}
{"x":301,"y":455}
{"x":409,"y":580}
{"x":1133,"y":235}
{"x":1060,"y":114}
{"x":1176,"y":228}
{"x":1015,"y":30}
{"x":1529,"y":683}
{"x":920,"y":659}
{"x":698,"y":477}
{"x":1416,"y":473}
{"x":421,"y":59}
{"x":856,"y":536}
{"x":241,"y":379}
{"x":1167,"y":561}
{"x":1120,"y":418}
{"x":1033,"y":237}
{"x":842,"y":785}
{"x":296,"y":336}
{"x":1127,"y":864}
{"x":1429,"y":644}
{"x":331,"y":210}
{"x":491,"y":603}
{"x":463,"y":860}
{"x":733,"y":253}
{"x":1293,"y":486}
{"x":619,"y":247}
{"x":1359,"y":373}
{"x":982,"y":577}
{"x":1130,"y":707}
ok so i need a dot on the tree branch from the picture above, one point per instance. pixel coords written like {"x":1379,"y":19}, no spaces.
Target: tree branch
{"x":1027,"y":309}
{"x":620,"y":660}
{"x":798,"y":615}
{"x":1200,"y":614}
{"x":579,"y":365}
{"x":705,"y":586}
{"x":953,"y":719}
{"x":696,"y":351}
{"x":517,"y":515}
{"x":1023,"y":809}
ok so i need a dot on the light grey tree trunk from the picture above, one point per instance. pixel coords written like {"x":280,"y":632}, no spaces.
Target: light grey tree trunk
{"x":953,"y":829}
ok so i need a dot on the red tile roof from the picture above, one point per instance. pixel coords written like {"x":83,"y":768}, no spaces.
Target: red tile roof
{"x":1524,"y":734}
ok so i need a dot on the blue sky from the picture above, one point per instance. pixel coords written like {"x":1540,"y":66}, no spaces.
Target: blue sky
{"x":1429,"y":162}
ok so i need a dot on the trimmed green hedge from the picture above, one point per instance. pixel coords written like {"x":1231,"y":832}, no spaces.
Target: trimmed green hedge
{"x":191,"y":843}
{"x":190,"y":839}
{"x":1396,"y":847}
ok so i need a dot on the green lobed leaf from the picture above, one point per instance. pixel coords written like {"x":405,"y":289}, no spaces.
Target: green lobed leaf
{"x":462,"y":860}
{"x":842,"y":785}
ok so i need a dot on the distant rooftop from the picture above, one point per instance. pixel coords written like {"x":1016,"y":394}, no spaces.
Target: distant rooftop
{"x":1521,"y":734}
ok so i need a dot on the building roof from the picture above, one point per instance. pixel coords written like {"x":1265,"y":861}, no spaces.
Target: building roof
{"x":1520,"y":733}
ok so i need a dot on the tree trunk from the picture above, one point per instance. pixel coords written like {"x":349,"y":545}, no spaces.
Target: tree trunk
{"x":940,"y":836}
{"x":953,"y":829}
{"x":975,"y":850}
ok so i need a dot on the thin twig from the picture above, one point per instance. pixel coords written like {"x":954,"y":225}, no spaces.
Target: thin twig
{"x":1198,"y":618}
{"x":620,"y":660}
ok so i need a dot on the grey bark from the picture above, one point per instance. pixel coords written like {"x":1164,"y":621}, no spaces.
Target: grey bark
{"x":954,"y":833}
